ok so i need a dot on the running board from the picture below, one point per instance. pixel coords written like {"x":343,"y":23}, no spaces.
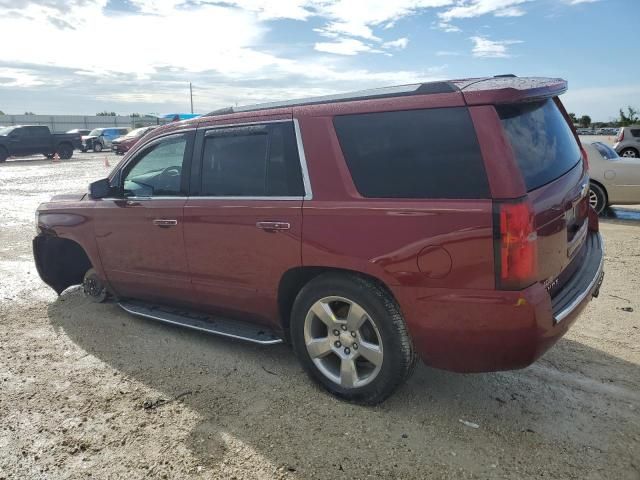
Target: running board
{"x":202,"y":322}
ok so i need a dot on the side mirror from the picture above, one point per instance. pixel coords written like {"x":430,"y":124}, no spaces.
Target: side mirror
{"x":100,"y":189}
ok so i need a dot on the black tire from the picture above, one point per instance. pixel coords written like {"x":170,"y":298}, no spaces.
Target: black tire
{"x":65,"y":151}
{"x":97,"y":147}
{"x":83,"y":150}
{"x":49,"y":155}
{"x":3,"y":155}
{"x":629,"y":152}
{"x":399,"y":357}
{"x":93,"y":287}
{"x":597,"y":193}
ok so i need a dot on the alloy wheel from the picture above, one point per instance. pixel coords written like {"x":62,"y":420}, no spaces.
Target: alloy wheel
{"x":343,"y":342}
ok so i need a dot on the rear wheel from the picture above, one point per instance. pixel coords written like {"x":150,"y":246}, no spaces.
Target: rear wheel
{"x":65,"y":151}
{"x":3,"y":155}
{"x":597,"y":198}
{"x":629,"y":152}
{"x":97,"y":147}
{"x":49,"y":155}
{"x":350,"y":337}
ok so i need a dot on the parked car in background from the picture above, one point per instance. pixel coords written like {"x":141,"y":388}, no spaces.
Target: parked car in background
{"x":81,"y":131}
{"x":122,"y":145}
{"x":448,"y":220}
{"x":25,"y":140}
{"x":628,"y":141}
{"x":101,"y":138}
{"x":614,"y":180}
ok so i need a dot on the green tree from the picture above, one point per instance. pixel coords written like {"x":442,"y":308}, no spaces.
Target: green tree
{"x":29,"y":113}
{"x":573,"y":118}
{"x":1,"y":112}
{"x":630,"y":118}
{"x":135,"y":115}
{"x":585,"y":120}
{"x":106,"y":114}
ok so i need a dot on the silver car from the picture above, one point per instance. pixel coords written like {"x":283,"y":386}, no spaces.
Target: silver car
{"x":628,"y":141}
{"x":615,"y":180}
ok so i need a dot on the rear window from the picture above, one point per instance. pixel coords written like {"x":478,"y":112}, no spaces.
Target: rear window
{"x":430,"y":153}
{"x":543,"y":143}
{"x":605,"y":150}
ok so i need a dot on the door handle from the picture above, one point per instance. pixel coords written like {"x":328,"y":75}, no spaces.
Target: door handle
{"x":273,"y":226}
{"x":164,"y":223}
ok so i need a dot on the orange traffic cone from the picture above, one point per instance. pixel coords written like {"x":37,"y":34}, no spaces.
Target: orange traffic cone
{"x":56,"y":157}
{"x":106,"y":162}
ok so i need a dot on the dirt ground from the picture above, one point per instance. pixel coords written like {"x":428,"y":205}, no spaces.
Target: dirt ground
{"x":89,"y":391}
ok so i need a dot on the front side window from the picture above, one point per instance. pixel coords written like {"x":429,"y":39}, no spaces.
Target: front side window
{"x":96,"y":132}
{"x":252,"y":161}
{"x":157,"y":171}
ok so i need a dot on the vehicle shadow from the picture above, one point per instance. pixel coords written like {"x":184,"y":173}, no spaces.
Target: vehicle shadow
{"x":627,"y":216}
{"x":576,"y":398}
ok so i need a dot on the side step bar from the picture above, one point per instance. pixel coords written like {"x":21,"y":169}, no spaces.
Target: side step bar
{"x":202,"y":322}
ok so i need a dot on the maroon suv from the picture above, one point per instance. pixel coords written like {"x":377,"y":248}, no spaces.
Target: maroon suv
{"x":445,"y":220}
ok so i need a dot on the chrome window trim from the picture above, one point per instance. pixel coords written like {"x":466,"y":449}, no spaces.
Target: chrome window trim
{"x":302,"y":158}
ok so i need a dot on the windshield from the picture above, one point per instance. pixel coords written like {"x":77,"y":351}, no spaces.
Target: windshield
{"x":95,"y":132}
{"x":6,"y":130}
{"x":138,"y":132}
{"x":605,"y":150}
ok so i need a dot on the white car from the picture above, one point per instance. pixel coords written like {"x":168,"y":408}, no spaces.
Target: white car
{"x":615,"y":180}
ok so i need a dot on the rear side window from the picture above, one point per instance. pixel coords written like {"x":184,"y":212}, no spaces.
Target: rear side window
{"x":253,"y":161}
{"x":430,"y":153}
{"x":635,"y":132}
{"x":543,"y":143}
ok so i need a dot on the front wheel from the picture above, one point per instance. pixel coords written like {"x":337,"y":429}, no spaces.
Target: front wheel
{"x":93,"y":287}
{"x":3,"y":155}
{"x":597,"y":198}
{"x":97,"y":147}
{"x":351,"y":338}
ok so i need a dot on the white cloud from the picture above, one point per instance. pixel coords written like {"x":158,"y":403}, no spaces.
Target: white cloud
{"x":578,"y":2}
{"x":485,"y":48}
{"x":476,"y":8}
{"x":447,"y":27}
{"x":400,"y":43}
{"x":20,"y":78}
{"x":344,"y":46}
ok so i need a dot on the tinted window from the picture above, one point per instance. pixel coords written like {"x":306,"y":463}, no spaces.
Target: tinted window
{"x":253,"y":161}
{"x":157,"y":170}
{"x":635,"y":132}
{"x":543,"y":143}
{"x":605,"y":150}
{"x":413,"y":154}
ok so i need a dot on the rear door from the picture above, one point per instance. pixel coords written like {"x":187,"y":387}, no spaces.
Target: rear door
{"x":243,"y":220}
{"x":550,"y":161}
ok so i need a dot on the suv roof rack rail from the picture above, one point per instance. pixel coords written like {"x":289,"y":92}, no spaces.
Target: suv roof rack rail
{"x":427,"y":88}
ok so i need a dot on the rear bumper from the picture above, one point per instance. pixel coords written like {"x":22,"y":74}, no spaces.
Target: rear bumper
{"x":481,"y":331}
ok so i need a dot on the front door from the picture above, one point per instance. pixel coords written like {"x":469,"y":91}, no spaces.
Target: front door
{"x":243,"y":220}
{"x":140,"y":232}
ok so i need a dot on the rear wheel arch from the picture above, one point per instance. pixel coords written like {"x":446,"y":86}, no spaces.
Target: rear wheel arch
{"x":294,"y":280}
{"x":65,"y":150}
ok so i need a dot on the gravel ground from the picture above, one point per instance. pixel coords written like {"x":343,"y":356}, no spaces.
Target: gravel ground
{"x":89,"y":391}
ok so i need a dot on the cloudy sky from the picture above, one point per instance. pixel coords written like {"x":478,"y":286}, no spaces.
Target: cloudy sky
{"x":85,"y":56}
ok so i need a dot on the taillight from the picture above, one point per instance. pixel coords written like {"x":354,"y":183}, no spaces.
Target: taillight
{"x":516,"y":249}
{"x":620,"y":135}
{"x":585,"y":158}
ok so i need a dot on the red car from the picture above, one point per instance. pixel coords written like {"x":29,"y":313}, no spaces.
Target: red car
{"x":445,"y":220}
{"x":122,"y":145}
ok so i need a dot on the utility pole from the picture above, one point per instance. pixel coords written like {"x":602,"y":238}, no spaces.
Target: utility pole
{"x":191,"y":96}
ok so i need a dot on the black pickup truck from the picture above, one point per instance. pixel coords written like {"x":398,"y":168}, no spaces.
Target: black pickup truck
{"x":24,"y":140}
